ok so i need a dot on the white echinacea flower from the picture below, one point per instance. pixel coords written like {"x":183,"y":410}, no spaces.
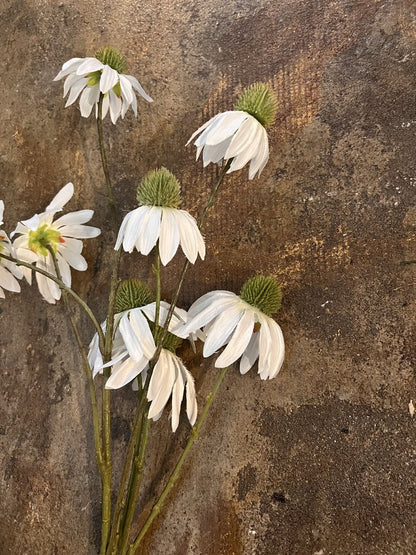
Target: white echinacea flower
{"x":134,"y":347}
{"x":159,"y":220}
{"x":101,"y":75}
{"x":41,"y":233}
{"x":243,"y":324}
{"x":239,"y":135}
{"x":9,"y":271}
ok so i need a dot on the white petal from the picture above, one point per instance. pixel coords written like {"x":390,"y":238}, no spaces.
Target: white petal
{"x":221,"y":330}
{"x":229,"y":125}
{"x":76,"y":88}
{"x":138,"y":88}
{"x":68,"y":67}
{"x":79,"y":217}
{"x":70,"y":82}
{"x":169,"y":236}
{"x":131,"y":340}
{"x":191,"y":403}
{"x":177,"y":395}
{"x":133,"y":227}
{"x":210,"y":312}
{"x":260,"y":160}
{"x":142,"y":330}
{"x":59,"y":200}
{"x":84,"y":103}
{"x":125,"y":373}
{"x":238,"y":342}
{"x":77,"y":261}
{"x":265,"y":344}
{"x":32,"y":224}
{"x":249,"y":152}
{"x":126,"y":89}
{"x":8,"y":281}
{"x":214,"y":153}
{"x":251,"y":354}
{"x":89,"y":65}
{"x":243,"y":138}
{"x":278,"y":348}
{"x":64,"y":269}
{"x":149,"y":232}
{"x":109,"y":78}
{"x":79,"y":231}
{"x":204,"y":301}
{"x":115,"y":106}
{"x":190,"y":236}
{"x":165,"y":373}
{"x":106,"y":105}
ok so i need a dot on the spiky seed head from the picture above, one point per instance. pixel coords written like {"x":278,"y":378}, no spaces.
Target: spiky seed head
{"x":171,"y":341}
{"x":159,"y":188}
{"x":262,"y":292}
{"x":113,"y":58}
{"x":260,"y":102}
{"x":132,"y":293}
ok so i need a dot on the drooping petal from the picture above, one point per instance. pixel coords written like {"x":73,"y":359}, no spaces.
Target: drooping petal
{"x":136,"y":85}
{"x":68,"y":67}
{"x":169,"y":236}
{"x":70,"y":82}
{"x":209,"y":313}
{"x":75,"y":91}
{"x":242,"y":138}
{"x":219,"y":333}
{"x":125,"y":372}
{"x":64,"y":269}
{"x":260,"y":160}
{"x":115,"y":106}
{"x":229,"y":124}
{"x":251,"y":354}
{"x":264,"y":348}
{"x":131,"y":340}
{"x":126,"y":89}
{"x":202,"y":128}
{"x":164,"y":376}
{"x":140,"y":326}
{"x":277,"y":354}
{"x":109,"y":78}
{"x":177,"y":395}
{"x":149,"y":232}
{"x":75,"y":260}
{"x":89,"y":65}
{"x":238,"y":342}
{"x":85,"y":104}
{"x":204,"y":301}
{"x":249,"y":152}
{"x":191,"y":403}
{"x":133,"y":227}
{"x":8,"y":281}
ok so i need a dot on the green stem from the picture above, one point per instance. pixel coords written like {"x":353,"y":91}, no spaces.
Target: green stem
{"x":132,"y":449}
{"x":175,"y":474}
{"x":201,"y":224}
{"x":86,"y":367}
{"x":138,"y":464}
{"x":104,"y":163}
{"x":63,"y":287}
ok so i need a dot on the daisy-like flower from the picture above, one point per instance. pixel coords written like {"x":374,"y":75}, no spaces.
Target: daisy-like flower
{"x":243,"y":324}
{"x":159,"y":219}
{"x":134,"y":346}
{"x":9,"y":271}
{"x":63,"y":235}
{"x":101,"y":75}
{"x":240,"y":134}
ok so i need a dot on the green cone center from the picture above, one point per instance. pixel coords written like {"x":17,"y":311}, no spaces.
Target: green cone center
{"x":259,"y":101}
{"x":263,"y":293}
{"x":159,"y":188}
{"x":132,"y":293}
{"x":113,"y":58}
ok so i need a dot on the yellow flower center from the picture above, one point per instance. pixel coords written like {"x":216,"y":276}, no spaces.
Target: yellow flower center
{"x":42,"y":238}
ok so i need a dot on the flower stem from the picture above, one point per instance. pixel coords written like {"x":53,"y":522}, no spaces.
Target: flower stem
{"x":201,"y":224}
{"x":104,"y":159}
{"x":86,"y":367}
{"x":63,"y":287}
{"x":134,"y":489}
{"x":175,"y":474}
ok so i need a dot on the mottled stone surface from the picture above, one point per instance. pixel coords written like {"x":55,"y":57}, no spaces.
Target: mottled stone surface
{"x":320,"y":460}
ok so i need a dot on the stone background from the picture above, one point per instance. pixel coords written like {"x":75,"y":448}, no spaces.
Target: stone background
{"x":320,"y":460}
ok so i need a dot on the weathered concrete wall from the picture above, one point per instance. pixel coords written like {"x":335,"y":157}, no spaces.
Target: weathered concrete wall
{"x":322,"y":459}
